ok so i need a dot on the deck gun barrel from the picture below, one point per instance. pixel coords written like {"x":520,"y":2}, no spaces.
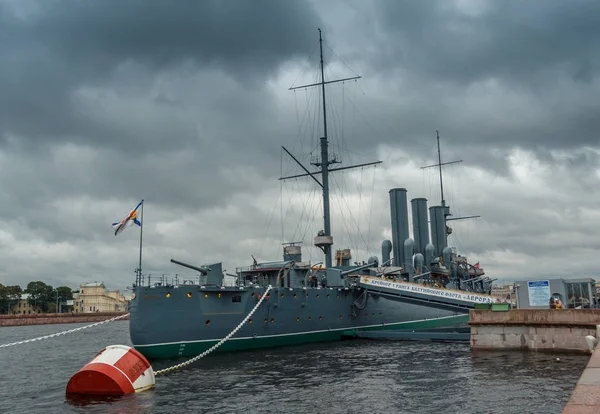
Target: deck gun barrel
{"x":356,"y":269}
{"x":203,"y":270}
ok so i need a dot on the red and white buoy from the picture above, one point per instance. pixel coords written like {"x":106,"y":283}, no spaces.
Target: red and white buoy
{"x":116,"y":370}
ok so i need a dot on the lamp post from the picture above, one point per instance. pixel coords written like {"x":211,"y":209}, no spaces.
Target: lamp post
{"x":57,"y":297}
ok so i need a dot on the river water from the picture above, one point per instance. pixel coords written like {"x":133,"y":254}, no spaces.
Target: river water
{"x":355,"y":376}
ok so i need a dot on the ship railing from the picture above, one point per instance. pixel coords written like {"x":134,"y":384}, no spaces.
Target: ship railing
{"x":177,"y":279}
{"x":245,"y":269}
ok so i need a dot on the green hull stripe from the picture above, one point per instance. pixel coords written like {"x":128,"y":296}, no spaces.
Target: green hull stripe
{"x":191,"y":348}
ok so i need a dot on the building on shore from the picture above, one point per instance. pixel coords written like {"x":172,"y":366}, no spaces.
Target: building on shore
{"x":23,"y":307}
{"x":94,"y":297}
{"x":572,"y":293}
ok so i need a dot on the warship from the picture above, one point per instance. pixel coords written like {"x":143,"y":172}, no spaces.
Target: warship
{"x":418,"y":285}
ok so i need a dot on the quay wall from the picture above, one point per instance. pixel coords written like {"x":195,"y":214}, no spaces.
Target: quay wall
{"x":586,"y":395}
{"x":542,"y":330}
{"x":54,"y":318}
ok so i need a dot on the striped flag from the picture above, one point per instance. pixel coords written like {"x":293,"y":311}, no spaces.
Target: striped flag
{"x":130,"y":220}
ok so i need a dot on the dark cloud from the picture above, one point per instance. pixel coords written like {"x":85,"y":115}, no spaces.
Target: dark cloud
{"x":63,"y":46}
{"x":523,"y":43}
{"x":487,"y":73}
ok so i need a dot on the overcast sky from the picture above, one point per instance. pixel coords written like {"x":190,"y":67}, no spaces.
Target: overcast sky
{"x":186,"y":105}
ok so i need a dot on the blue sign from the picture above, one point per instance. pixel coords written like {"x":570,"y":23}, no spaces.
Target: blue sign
{"x":539,"y":293}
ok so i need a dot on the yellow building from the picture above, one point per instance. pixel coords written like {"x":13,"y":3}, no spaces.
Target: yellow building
{"x":93,"y":297}
{"x":22,"y":307}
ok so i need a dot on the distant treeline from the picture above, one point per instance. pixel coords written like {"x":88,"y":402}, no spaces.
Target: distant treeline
{"x":41,"y":296}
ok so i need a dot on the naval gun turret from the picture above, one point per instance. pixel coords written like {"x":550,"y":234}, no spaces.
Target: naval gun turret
{"x":213,"y":272}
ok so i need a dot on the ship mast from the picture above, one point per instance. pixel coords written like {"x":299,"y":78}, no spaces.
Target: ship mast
{"x":440,"y":165}
{"x":446,"y":209}
{"x":325,"y":167}
{"x":324,"y":240}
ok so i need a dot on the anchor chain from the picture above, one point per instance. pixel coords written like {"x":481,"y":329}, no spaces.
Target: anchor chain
{"x":63,"y":332}
{"x":218,"y":344}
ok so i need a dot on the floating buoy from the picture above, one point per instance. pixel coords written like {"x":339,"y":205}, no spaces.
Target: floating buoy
{"x":116,"y":370}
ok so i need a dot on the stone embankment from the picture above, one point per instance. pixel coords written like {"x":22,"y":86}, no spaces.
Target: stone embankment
{"x":545,"y":330}
{"x":585,"y":398}
{"x":54,"y":318}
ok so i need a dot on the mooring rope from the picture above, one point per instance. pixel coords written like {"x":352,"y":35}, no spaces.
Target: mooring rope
{"x":218,"y":344}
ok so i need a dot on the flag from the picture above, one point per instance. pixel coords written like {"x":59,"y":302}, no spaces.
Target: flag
{"x":130,"y":220}
{"x":477,"y":265}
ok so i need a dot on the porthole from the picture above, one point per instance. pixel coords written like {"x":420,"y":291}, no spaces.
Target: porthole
{"x":189,"y":294}
{"x":208,"y":322}
{"x":250,"y":321}
{"x":340,"y":316}
{"x":317,"y":296}
{"x":266,"y":320}
{"x":272,"y":320}
{"x":310,"y":318}
{"x":206,"y":295}
{"x":328,"y":295}
{"x":294,"y":296}
{"x":281,"y":295}
{"x":252,"y":295}
{"x":380,"y":314}
{"x":220,"y":295}
{"x":297,"y":319}
{"x":320,"y":318}
{"x":168,"y":294}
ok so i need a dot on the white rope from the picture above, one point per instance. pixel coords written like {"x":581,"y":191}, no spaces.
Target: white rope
{"x":218,"y":344}
{"x":63,"y":332}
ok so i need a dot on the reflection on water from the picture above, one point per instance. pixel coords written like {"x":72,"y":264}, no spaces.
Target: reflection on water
{"x":344,"y":377}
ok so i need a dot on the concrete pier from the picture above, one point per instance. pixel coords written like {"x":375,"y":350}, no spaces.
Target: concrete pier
{"x":542,"y":330}
{"x":586,"y":395}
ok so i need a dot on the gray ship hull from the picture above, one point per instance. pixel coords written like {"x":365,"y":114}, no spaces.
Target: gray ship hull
{"x":179,"y":321}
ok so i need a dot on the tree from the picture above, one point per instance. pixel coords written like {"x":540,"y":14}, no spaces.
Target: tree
{"x":65,"y":293}
{"x":40,"y":295}
{"x":9,"y":295}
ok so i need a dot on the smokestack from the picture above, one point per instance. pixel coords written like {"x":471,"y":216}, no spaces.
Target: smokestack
{"x":399,"y":210}
{"x":438,"y":229}
{"x":409,"y":249}
{"x":386,"y":249}
{"x":420,"y":224}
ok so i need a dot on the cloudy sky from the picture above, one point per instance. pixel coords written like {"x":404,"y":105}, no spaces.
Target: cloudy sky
{"x":186,"y":105}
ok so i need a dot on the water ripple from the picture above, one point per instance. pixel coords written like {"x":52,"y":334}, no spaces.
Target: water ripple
{"x":342,"y":377}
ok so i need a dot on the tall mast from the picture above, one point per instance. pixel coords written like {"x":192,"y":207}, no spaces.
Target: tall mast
{"x":440,"y":165}
{"x":445,"y":209}
{"x":325,"y":166}
{"x":324,"y":240}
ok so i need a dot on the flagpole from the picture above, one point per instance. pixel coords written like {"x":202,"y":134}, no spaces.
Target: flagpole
{"x":141,"y":232}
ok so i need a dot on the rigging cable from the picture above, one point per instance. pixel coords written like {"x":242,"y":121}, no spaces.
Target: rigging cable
{"x":354,"y":221}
